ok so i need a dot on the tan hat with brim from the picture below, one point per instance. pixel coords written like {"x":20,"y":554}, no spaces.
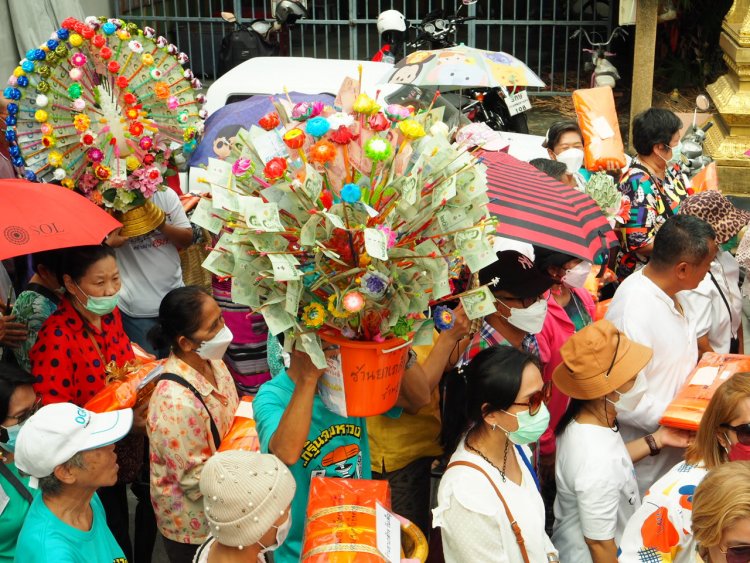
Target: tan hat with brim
{"x":597,"y":360}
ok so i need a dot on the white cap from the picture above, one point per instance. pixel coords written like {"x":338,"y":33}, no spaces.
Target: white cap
{"x":55,"y":433}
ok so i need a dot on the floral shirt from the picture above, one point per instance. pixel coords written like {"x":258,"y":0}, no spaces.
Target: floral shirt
{"x":179,"y":432}
{"x":652,"y":202}
{"x":33,"y":307}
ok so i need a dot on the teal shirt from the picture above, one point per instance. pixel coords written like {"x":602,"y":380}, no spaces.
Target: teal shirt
{"x":12,"y":516}
{"x":47,"y":539}
{"x":337,"y":446}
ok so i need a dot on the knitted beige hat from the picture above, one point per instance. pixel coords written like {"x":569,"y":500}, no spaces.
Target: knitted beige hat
{"x":244,"y":493}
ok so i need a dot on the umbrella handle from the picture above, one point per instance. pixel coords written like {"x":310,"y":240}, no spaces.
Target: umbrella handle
{"x":604,"y":253}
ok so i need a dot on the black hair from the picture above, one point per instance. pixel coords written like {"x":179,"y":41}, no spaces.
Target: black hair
{"x":682,"y":238}
{"x":553,"y":168}
{"x":557,"y":130}
{"x":50,"y":259}
{"x":490,"y":383}
{"x":11,"y":377}
{"x":655,"y":126}
{"x":545,"y":257}
{"x":75,"y":261}
{"x":574,"y":407}
{"x":179,"y":315}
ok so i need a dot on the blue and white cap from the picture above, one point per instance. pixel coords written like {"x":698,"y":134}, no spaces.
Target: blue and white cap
{"x":55,"y":433}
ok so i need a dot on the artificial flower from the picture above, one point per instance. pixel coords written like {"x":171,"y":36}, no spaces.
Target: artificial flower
{"x":79,"y":104}
{"x":378,"y":122}
{"x":81,"y":122}
{"x":353,"y":301}
{"x":444,"y":318}
{"x":78,"y":60}
{"x":390,"y":235}
{"x":275,"y":168}
{"x":173,"y":103}
{"x":378,"y":149}
{"x":339,"y":119}
{"x":122,"y":82}
{"x":396,"y":112}
{"x":46,"y":129}
{"x":270,"y":121}
{"x":294,"y":138}
{"x":136,"y":46}
{"x":40,"y":115}
{"x":75,"y":90}
{"x":334,"y":310}
{"x":75,"y":74}
{"x":365,"y":104}
{"x":145,"y":143}
{"x":55,"y":158}
{"x":113,"y":67}
{"x":326,"y":198}
{"x":136,"y":128}
{"x":351,"y":193}
{"x":374,"y":284}
{"x":322,"y":152}
{"x":403,"y":327}
{"x":132,"y":162}
{"x":243,"y":168}
{"x":302,"y":111}
{"x":161,"y":90}
{"x":95,"y":155}
{"x":69,"y":183}
{"x":317,"y":126}
{"x":342,"y":136}
{"x":411,"y":129}
{"x":48,"y":141}
{"x":314,"y":315}
{"x":102,"y":172}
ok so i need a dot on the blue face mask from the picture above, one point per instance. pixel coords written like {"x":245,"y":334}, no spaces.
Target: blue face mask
{"x":8,"y":436}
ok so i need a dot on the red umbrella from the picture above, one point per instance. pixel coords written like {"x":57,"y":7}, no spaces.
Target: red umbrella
{"x":36,"y":217}
{"x":533,"y":207}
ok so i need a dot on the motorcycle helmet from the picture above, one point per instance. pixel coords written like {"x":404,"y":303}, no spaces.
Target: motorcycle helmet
{"x":289,"y":11}
{"x":392,"y":26}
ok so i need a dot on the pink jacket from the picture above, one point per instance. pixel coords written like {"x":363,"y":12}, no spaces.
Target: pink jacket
{"x":555,"y":332}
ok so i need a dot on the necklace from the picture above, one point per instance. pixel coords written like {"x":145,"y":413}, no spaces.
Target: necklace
{"x":614,"y":427}
{"x":484,"y":457}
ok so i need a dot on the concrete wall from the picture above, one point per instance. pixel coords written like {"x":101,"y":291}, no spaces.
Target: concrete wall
{"x":97,"y":7}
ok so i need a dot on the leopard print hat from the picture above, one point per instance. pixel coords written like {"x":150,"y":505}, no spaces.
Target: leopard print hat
{"x":711,"y":206}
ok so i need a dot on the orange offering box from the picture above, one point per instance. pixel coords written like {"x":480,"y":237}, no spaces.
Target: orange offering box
{"x":242,"y":434}
{"x":128,"y":387}
{"x":341,"y":522}
{"x":687,"y":408}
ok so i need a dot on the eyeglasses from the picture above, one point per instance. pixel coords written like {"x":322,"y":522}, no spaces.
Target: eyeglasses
{"x":737,"y":553}
{"x":526,"y":302}
{"x":536,"y":400}
{"x":742,"y":431}
{"x":26,"y":415}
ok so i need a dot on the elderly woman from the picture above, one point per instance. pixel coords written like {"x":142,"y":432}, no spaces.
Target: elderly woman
{"x":654,"y":184}
{"x":721,"y":514}
{"x":660,"y":528}
{"x":70,"y":452}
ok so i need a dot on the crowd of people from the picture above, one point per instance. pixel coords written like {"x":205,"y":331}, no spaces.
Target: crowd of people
{"x":541,"y":423}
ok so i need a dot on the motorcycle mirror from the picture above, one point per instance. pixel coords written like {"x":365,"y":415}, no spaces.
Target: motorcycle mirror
{"x":228,"y":17}
{"x":702,"y":102}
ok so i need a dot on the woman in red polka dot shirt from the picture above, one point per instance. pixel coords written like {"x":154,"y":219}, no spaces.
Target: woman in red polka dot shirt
{"x":75,"y":344}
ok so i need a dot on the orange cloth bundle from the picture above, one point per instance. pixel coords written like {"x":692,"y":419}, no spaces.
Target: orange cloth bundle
{"x":597,"y":118}
{"x":687,"y":408}
{"x":242,"y":435}
{"x":340,"y":526}
{"x":127,"y":387}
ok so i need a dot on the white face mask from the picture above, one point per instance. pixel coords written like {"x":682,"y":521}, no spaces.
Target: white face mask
{"x":215,"y":348}
{"x":572,"y":158}
{"x":577,"y":275}
{"x":530,"y":319}
{"x":629,"y":400}
{"x":281,"y":534}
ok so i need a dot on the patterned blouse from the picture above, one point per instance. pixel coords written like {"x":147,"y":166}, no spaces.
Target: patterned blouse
{"x":179,"y":432}
{"x":652,"y":202}
{"x":34,"y":306}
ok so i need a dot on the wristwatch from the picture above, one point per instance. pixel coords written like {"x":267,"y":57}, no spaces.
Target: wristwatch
{"x":553,"y":558}
{"x":651,"y":441}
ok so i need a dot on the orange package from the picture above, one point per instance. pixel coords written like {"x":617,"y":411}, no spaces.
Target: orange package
{"x":242,"y":435}
{"x":686,"y":410}
{"x":597,"y":118}
{"x":707,"y":178}
{"x":340,"y":525}
{"x":128,"y":388}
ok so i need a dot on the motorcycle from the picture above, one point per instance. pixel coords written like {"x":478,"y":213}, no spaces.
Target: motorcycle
{"x":693,"y":159}
{"x":259,"y":37}
{"x":603,"y":72}
{"x":437,"y":31}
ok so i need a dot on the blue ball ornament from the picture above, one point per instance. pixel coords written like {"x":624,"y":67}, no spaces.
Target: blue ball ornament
{"x":17,"y":161}
{"x":351,"y":193}
{"x":10,"y":121}
{"x":317,"y":126}
{"x":27,"y":66}
{"x":14,"y":151}
{"x":23,"y":81}
{"x":10,"y":135}
{"x":52,"y":44}
{"x":30,"y":175}
{"x":63,"y":34}
{"x":12,"y":108}
{"x":109,"y":28}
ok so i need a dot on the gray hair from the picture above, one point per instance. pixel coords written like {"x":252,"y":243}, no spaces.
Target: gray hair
{"x":51,"y":485}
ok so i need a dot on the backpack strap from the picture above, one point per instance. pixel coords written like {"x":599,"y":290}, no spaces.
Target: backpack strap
{"x":16,"y":482}
{"x":513,"y":524}
{"x":181,"y":381}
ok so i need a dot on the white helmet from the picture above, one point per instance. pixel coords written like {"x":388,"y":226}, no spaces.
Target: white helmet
{"x":391,"y":20}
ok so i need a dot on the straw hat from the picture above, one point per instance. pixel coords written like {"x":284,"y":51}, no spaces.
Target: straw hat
{"x":597,"y":360}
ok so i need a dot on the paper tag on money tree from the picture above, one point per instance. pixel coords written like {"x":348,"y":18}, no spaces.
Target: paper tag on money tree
{"x":479,"y":303}
{"x":284,"y":267}
{"x":376,"y":244}
{"x":204,"y":216}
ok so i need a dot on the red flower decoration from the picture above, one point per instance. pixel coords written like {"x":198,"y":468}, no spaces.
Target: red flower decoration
{"x":379,"y":122}
{"x":105,"y":53}
{"x":269,"y":121}
{"x":149,"y":159}
{"x":294,"y":138}
{"x":275,"y":168}
{"x":87,"y":139}
{"x":113,"y":67}
{"x":122,"y":81}
{"x":321,"y":152}
{"x":136,"y":129}
{"x":342,"y":136}
{"x":87,"y":32}
{"x":99,"y":41}
{"x":130,"y":99}
{"x":326,"y":199}
{"x":69,"y":23}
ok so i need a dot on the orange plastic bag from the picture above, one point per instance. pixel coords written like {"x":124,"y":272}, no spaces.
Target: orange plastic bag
{"x":706,"y":179}
{"x":687,"y":408}
{"x":242,"y":435}
{"x":597,"y":118}
{"x":129,"y":388}
{"x":340,"y":525}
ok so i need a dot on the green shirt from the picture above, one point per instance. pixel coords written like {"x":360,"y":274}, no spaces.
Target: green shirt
{"x":12,"y":514}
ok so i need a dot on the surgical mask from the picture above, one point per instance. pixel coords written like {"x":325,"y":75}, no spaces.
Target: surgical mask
{"x":12,"y":431}
{"x":530,"y":428}
{"x":281,"y":534}
{"x":739,"y":452}
{"x":530,"y":319}
{"x":628,"y":401}
{"x":215,"y":348}
{"x":577,"y":275}
{"x":676,"y":154}
{"x":572,"y":159}
{"x":100,"y":305}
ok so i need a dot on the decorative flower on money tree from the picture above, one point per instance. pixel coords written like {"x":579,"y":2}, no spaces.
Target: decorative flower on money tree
{"x":349,"y":223}
{"x":615,"y":206}
{"x":102,"y":107}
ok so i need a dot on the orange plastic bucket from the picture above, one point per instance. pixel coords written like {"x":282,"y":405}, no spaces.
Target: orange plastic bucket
{"x":364,"y":379}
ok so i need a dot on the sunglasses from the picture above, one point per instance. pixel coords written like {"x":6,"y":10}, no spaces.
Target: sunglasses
{"x":737,"y":554}
{"x":536,"y":400}
{"x":742,"y":431}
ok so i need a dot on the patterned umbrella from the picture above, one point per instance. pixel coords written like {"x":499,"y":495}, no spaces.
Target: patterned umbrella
{"x":462,"y":67}
{"x":533,"y":207}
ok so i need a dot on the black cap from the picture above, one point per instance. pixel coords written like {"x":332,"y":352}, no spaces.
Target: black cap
{"x":515,"y":273}
{"x":545,"y":257}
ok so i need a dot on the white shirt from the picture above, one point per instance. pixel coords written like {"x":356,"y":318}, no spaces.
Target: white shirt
{"x":597,"y":491}
{"x":648,"y":316}
{"x":150,"y":264}
{"x":474,"y":524}
{"x":705,"y":306}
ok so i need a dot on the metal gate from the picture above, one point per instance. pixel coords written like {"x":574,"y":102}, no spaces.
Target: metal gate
{"x":536,"y":31}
